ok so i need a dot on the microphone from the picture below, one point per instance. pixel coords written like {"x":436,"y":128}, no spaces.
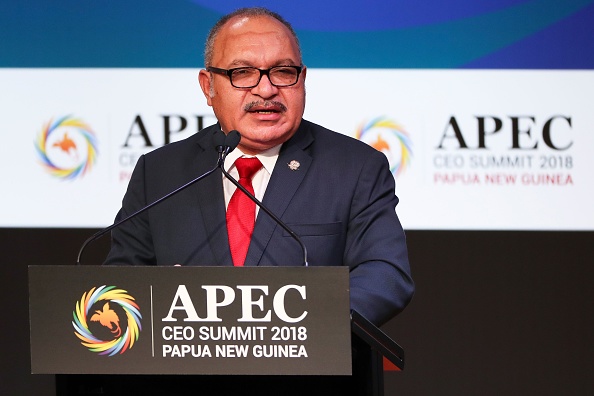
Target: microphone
{"x":234,"y":137}
{"x":222,"y":144}
{"x":231,"y":141}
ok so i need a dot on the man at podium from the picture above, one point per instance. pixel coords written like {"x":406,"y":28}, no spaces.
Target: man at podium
{"x":334,"y":192}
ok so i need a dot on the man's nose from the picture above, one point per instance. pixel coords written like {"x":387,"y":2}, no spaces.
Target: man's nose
{"x":265,"y":88}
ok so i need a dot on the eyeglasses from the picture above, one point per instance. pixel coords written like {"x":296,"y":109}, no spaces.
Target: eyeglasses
{"x":249,"y":77}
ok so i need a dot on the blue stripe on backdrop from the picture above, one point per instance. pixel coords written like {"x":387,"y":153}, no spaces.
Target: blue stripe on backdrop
{"x":106,"y":33}
{"x":566,"y":44}
{"x":367,"y":15}
{"x":511,"y":34}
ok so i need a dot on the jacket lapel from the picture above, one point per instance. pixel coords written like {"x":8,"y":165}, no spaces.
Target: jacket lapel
{"x":283,"y":185}
{"x":209,"y":195}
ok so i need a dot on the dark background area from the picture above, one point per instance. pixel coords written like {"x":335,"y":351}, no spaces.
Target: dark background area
{"x":495,"y":312}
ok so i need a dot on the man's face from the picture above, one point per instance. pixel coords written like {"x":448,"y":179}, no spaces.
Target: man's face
{"x":264,"y":115}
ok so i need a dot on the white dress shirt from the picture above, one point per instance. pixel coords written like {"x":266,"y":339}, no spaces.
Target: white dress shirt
{"x":261,"y":178}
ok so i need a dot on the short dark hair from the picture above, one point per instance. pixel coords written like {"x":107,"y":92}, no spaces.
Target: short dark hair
{"x":243,"y":12}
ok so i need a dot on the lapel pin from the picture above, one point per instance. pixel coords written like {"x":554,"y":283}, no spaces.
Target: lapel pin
{"x":294,"y":165}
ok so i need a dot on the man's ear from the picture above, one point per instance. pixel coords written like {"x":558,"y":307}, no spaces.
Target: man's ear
{"x":205,"y":84}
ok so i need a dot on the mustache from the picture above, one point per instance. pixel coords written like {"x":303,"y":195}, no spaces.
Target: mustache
{"x":265,"y":104}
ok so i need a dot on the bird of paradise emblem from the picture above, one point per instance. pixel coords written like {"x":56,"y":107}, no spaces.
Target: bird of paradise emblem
{"x":101,"y":303}
{"x":108,"y":318}
{"x":66,"y":144}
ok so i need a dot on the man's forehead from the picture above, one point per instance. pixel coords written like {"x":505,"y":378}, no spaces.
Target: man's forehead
{"x":241,"y":34}
{"x":254,"y":24}
{"x":238,"y":22}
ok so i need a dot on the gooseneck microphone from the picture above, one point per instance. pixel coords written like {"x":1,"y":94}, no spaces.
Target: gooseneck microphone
{"x":231,"y":137}
{"x":227,"y":144}
{"x":223,"y":144}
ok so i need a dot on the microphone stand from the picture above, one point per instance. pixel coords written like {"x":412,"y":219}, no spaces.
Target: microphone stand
{"x":223,"y":151}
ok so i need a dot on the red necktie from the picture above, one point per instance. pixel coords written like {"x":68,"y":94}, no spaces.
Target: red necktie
{"x":241,"y":212}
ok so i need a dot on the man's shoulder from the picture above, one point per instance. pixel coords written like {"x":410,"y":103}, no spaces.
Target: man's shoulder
{"x":333,"y":141}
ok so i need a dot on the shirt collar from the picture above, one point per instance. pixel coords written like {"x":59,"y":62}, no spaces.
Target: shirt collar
{"x":267,"y":158}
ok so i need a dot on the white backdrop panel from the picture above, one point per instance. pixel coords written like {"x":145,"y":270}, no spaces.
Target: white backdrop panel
{"x":493,"y":150}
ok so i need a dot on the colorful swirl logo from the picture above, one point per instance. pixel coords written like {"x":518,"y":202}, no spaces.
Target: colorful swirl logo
{"x":119,"y":341}
{"x":67,"y":148}
{"x":391,"y":139}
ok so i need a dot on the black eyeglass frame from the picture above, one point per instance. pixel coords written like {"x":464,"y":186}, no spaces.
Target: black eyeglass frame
{"x":263,"y":72}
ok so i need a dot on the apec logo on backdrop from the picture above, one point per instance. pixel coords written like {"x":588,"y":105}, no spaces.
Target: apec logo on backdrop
{"x":67,"y":148}
{"x":390,"y":138}
{"x":506,"y":150}
{"x":145,"y":133}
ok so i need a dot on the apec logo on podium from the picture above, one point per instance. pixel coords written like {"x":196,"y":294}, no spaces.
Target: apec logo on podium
{"x":107,"y":321}
{"x":98,"y":320}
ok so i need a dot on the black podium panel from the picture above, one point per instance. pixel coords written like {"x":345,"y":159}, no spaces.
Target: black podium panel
{"x":190,"y":320}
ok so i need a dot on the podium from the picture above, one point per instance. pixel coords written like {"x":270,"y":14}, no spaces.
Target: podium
{"x":202,"y":331}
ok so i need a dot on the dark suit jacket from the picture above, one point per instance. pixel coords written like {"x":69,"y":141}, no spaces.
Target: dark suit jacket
{"x":340,"y":202}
